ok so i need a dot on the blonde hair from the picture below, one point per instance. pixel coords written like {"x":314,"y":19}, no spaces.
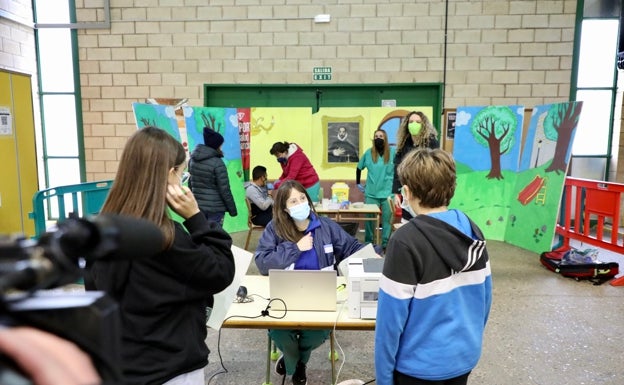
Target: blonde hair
{"x":430,"y":176}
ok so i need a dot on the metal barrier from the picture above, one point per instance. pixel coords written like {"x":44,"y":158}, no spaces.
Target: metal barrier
{"x":588,"y":207}
{"x":81,"y":199}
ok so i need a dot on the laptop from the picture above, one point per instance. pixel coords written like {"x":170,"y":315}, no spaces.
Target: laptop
{"x":303,"y":290}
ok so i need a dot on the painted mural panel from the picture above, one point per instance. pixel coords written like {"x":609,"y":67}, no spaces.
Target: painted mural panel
{"x":225,"y":122}
{"x":487,"y":153}
{"x":513,"y":197}
{"x":271,"y":124}
{"x":536,"y":200}
{"x":157,"y":115}
{"x":187,"y":127}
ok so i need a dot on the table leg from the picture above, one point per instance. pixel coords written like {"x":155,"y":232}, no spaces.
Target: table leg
{"x":268,"y":365}
{"x":333,"y":358}
{"x":377,"y":232}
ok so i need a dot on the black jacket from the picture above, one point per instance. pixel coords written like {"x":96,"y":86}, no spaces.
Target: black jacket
{"x":398,"y":158}
{"x":163,"y":301}
{"x":209,"y":181}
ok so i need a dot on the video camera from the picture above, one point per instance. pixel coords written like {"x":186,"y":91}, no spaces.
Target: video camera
{"x":30,"y":268}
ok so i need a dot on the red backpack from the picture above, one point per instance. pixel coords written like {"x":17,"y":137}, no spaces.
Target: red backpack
{"x":570,"y":262}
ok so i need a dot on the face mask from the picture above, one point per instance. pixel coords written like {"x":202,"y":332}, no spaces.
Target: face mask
{"x":414,"y":127}
{"x":282,"y":159}
{"x":379,"y":144}
{"x":300,"y":211}
{"x":405,"y":205}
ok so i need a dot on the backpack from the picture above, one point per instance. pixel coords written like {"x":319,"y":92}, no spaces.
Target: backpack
{"x":579,"y":264}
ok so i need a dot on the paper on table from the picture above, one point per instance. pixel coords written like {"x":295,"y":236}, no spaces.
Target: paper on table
{"x":224,"y":299}
{"x":365,"y":252}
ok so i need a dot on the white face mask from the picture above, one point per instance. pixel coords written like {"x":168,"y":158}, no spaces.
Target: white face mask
{"x":405,"y":205}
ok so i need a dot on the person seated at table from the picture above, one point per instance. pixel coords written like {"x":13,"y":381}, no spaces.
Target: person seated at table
{"x":257,"y":191}
{"x":298,"y":238}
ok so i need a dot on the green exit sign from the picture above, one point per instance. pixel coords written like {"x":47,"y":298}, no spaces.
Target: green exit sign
{"x":322,"y":73}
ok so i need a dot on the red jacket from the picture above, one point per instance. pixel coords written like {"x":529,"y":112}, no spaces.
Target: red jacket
{"x":298,"y":167}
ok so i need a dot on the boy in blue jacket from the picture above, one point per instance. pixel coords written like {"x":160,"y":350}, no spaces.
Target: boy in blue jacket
{"x":436,"y":289}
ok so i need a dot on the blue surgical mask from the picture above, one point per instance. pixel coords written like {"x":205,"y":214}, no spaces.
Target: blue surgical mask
{"x":300,"y":212}
{"x":282,"y":159}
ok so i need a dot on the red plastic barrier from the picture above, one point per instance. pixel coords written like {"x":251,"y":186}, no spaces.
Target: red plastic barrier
{"x":593,"y":204}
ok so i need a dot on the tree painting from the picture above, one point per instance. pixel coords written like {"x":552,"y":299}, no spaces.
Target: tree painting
{"x":494,"y":127}
{"x":559,"y":125}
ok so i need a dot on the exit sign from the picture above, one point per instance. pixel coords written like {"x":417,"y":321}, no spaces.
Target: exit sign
{"x":322,"y":73}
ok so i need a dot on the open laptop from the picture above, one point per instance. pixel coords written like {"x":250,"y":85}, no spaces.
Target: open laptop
{"x":303,"y":290}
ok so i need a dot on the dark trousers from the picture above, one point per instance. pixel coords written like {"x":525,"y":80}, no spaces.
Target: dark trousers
{"x":402,"y":379}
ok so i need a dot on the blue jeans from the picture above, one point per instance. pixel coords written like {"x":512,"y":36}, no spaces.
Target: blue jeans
{"x":215,"y":217}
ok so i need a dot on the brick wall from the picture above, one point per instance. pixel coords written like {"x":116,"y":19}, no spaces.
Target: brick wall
{"x":498,"y":52}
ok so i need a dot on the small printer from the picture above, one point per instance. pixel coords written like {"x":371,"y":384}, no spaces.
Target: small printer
{"x":363,"y":286}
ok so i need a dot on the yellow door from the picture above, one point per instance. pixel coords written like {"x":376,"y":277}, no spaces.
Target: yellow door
{"x":18,"y":173}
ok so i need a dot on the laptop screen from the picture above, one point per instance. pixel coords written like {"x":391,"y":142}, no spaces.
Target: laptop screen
{"x":303,"y":290}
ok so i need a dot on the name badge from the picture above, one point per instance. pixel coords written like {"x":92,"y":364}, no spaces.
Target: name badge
{"x":328,"y":248}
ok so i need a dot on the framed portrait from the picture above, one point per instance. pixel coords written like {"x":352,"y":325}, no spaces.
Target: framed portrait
{"x":450,"y":124}
{"x":342,"y":139}
{"x":448,"y":136}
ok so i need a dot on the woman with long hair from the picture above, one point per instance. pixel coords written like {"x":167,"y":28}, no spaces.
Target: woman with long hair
{"x":163,"y":298}
{"x":415,"y":131}
{"x":378,"y":161}
{"x":297,"y":238}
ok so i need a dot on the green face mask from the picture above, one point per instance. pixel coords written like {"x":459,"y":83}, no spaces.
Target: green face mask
{"x":414,"y":127}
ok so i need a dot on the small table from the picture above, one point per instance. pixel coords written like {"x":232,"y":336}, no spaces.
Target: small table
{"x":248,"y":316}
{"x":355,"y":214}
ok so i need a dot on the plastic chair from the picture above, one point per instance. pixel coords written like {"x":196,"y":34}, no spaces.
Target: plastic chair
{"x":250,"y":224}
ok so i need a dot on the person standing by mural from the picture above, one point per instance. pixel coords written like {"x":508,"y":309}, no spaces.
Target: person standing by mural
{"x":415,"y":131}
{"x":209,"y":178}
{"x":296,"y":166}
{"x":377,"y":160}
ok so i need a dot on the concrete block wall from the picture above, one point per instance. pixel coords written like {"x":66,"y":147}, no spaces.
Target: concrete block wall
{"x":17,"y":50}
{"x":498,"y":52}
{"x":17,"y":38}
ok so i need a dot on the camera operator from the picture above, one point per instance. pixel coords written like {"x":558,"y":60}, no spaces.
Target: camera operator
{"x":47,"y":359}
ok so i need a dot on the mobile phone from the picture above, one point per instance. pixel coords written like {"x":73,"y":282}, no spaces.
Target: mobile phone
{"x":185,"y":178}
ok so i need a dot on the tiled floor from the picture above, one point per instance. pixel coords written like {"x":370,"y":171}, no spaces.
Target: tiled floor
{"x":544,"y":329}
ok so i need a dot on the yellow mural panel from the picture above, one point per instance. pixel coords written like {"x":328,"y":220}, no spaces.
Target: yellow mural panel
{"x":315,"y":134}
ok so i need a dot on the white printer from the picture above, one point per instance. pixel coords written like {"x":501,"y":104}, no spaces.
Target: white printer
{"x":363,"y":286}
